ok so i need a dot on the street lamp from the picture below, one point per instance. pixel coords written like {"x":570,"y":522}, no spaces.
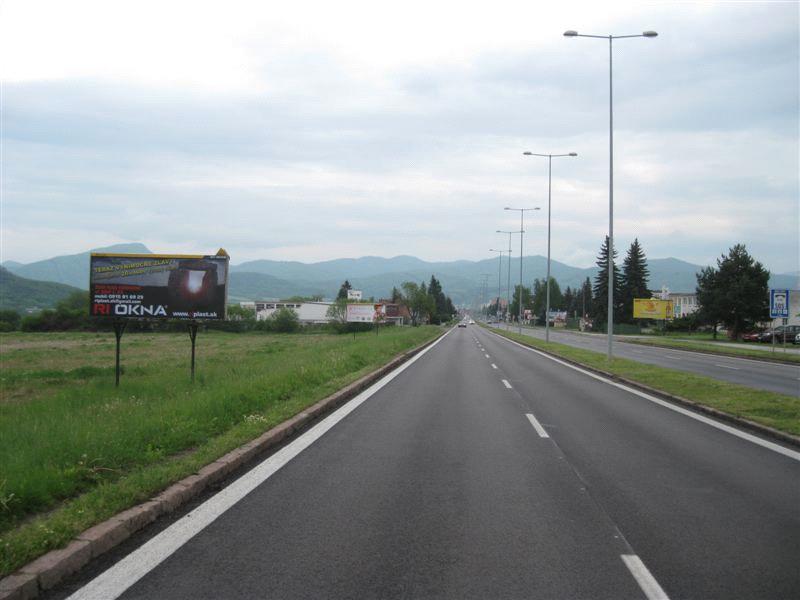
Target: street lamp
{"x":610,"y":38}
{"x":508,"y":289}
{"x":499,"y":271}
{"x":549,"y":188}
{"x":521,"y":233}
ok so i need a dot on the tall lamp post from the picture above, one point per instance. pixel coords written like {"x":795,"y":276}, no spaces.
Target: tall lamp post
{"x":499,"y":272}
{"x":549,"y":188}
{"x":522,"y":212}
{"x":508,"y":289}
{"x":610,"y":38}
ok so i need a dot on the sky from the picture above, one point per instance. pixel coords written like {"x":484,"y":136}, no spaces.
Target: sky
{"x":317,"y":130}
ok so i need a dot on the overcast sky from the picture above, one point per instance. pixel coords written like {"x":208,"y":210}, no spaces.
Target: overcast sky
{"x":317,"y":130}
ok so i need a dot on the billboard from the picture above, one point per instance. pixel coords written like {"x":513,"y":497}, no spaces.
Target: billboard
{"x":158,"y":286}
{"x":365,"y":313}
{"x":354,"y":295}
{"x":651,"y":308}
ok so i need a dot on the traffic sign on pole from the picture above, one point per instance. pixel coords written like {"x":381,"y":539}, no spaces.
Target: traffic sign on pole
{"x":779,"y":304}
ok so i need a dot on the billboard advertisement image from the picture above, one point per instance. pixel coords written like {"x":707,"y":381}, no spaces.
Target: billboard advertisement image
{"x":650,"y":308}
{"x":158,"y":286}
{"x":365,"y":313}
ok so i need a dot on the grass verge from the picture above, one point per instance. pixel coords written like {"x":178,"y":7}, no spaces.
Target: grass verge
{"x":74,"y":450}
{"x":714,"y":348}
{"x":775,"y":410}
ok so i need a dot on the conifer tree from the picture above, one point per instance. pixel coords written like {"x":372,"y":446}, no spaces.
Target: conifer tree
{"x":600,"y":290}
{"x":635,"y":275}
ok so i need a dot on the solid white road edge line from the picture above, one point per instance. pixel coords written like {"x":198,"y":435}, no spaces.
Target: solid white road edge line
{"x":113,"y":582}
{"x":537,"y":426}
{"x":793,"y":454}
{"x":505,"y":383}
{"x":727,"y":367}
{"x":644,"y":578}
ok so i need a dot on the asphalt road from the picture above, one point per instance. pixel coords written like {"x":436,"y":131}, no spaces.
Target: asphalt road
{"x":441,"y":484}
{"x":761,"y":375}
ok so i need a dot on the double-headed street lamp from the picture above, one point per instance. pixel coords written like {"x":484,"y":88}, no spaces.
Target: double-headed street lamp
{"x":508,"y":289}
{"x":610,"y":38}
{"x":522,"y":212}
{"x":499,"y":271}
{"x":549,"y":188}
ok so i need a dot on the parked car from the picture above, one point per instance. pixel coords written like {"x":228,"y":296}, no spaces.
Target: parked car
{"x":781,"y":333}
{"x":797,"y":339}
{"x":753,"y":336}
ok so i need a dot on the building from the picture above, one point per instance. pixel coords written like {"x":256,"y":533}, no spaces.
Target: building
{"x":396,"y":313}
{"x":307,"y":312}
{"x":683,"y":303}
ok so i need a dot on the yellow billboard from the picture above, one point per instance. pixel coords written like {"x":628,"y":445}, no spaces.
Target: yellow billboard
{"x":650,"y":308}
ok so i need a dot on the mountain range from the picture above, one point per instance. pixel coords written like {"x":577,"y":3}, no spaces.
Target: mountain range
{"x":462,"y":280}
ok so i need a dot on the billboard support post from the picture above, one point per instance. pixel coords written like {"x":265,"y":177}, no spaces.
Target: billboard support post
{"x":119,"y":329}
{"x":193,"y":336}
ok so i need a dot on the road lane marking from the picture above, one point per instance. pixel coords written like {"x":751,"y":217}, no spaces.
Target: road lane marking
{"x":537,"y":426}
{"x":672,"y":357}
{"x":505,"y":383}
{"x":727,"y":367}
{"x":494,"y":366}
{"x":644,"y":578}
{"x":793,"y":454}
{"x":113,"y":582}
{"x":486,"y":355}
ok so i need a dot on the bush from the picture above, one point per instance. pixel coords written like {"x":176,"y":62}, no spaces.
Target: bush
{"x":283,"y":320}
{"x":9,"y":320}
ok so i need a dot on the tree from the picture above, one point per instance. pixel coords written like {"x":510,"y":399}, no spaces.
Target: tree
{"x":420,"y":305}
{"x":397,"y":296}
{"x":570,"y":297}
{"x":439,"y":300}
{"x":600,"y":290}
{"x":584,"y":302}
{"x":736,"y":293}
{"x":527,"y":301}
{"x":343,"y":290}
{"x":634,"y":280}
{"x":540,"y":297}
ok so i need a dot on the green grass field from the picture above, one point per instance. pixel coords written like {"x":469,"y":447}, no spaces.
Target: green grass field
{"x":74,"y":450}
{"x":768,"y":408}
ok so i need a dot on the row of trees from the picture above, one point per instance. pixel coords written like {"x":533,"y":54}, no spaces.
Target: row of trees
{"x":591,"y":300}
{"x":734,"y":294}
{"x":629,"y":282}
{"x":425,"y":302}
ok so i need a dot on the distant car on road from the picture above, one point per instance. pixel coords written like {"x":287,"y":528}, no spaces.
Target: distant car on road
{"x":471,"y":322}
{"x":462,"y":323}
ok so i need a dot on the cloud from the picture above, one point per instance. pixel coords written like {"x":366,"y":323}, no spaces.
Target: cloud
{"x":305,"y":132}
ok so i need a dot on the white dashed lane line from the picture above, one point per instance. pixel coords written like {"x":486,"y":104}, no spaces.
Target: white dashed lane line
{"x":505,"y":383}
{"x":537,"y":426}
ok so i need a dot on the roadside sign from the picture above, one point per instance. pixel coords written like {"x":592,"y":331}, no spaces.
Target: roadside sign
{"x":779,"y":304}
{"x":158,"y":286}
{"x":365,"y":313}
{"x":652,"y":308}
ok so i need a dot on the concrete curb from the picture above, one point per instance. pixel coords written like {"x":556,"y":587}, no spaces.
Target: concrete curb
{"x":49,"y":569}
{"x":764,"y":430}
